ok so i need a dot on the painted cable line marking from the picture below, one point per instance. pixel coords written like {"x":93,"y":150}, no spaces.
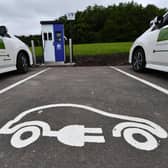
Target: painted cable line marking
{"x":74,"y":135}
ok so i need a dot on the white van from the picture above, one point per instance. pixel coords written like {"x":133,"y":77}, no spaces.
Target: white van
{"x":150,"y":50}
{"x":14,"y":54}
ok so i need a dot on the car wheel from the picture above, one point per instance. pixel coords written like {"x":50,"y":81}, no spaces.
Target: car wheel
{"x":22,"y":63}
{"x":19,"y":141}
{"x":138,"y":60}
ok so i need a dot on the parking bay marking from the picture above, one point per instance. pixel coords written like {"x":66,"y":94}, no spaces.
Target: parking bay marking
{"x":157,"y":87}
{"x":74,"y":135}
{"x":22,"y":81}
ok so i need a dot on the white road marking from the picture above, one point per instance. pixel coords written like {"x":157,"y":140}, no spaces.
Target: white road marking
{"x":18,"y":142}
{"x":22,"y":81}
{"x":150,"y":144}
{"x":74,"y":135}
{"x":157,"y":87}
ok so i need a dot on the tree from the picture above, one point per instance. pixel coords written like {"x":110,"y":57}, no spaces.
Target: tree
{"x":122,"y":22}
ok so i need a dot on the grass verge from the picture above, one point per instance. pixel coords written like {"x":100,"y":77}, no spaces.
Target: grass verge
{"x":95,"y":49}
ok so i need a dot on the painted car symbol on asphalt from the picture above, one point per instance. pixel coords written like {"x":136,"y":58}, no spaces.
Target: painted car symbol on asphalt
{"x":74,"y":135}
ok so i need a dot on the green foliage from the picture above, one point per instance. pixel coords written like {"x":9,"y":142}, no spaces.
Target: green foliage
{"x":123,"y":22}
{"x":27,"y":39}
{"x":116,"y":23}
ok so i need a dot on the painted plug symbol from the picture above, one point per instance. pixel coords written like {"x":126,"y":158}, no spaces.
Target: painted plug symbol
{"x":78,"y":135}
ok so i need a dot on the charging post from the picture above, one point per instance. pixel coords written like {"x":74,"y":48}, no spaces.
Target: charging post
{"x":71,"y":17}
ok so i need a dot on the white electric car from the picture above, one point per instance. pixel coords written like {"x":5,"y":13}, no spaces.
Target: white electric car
{"x":14,"y":54}
{"x":150,"y":50}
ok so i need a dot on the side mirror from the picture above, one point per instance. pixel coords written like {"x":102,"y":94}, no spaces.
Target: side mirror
{"x":151,"y":23}
{"x":3,"y":31}
{"x":159,"y":20}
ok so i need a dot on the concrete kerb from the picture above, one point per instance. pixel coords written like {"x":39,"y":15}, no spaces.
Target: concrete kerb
{"x":58,"y":65}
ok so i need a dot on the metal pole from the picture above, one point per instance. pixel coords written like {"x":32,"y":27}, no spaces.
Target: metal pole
{"x":70,"y":50}
{"x":71,"y":57}
{"x":33,"y":52}
{"x":70,"y":18}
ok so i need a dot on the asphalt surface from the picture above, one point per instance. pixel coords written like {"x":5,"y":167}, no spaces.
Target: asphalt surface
{"x":99,"y":87}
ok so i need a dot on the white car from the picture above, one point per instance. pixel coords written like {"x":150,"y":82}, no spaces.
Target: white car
{"x":14,"y":54}
{"x":150,"y":50}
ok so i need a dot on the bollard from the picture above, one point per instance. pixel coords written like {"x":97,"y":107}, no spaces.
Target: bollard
{"x":70,"y":50}
{"x":33,"y":52}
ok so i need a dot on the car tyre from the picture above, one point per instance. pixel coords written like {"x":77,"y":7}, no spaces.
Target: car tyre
{"x":138,"y":60}
{"x":22,"y":63}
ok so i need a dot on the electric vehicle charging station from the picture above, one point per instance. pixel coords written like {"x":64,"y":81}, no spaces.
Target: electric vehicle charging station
{"x":53,"y":42}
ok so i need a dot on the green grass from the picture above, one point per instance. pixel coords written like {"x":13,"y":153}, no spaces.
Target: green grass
{"x":95,"y":49}
{"x":38,"y":51}
{"x":101,"y":49}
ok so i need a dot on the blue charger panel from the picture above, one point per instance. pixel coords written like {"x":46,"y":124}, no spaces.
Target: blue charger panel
{"x":59,"y":42}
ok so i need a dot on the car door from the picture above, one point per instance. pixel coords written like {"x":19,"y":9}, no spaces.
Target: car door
{"x":160,"y":51}
{"x":49,"y":50}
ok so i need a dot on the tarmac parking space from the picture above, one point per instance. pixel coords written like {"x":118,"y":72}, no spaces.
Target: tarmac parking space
{"x":158,"y":77}
{"x":9,"y":78}
{"x":83,"y":117}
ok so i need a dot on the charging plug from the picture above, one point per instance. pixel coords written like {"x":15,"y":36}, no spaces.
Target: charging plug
{"x":75,"y":135}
